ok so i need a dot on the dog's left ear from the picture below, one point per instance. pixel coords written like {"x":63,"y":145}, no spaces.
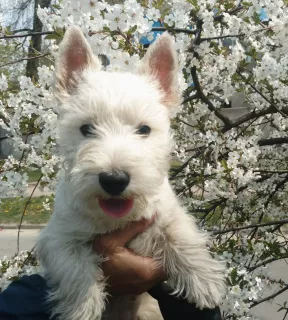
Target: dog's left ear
{"x":161,"y":62}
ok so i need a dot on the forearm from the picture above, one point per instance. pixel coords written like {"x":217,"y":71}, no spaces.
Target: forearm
{"x":174,"y":308}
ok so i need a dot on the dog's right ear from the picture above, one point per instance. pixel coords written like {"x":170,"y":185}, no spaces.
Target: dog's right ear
{"x":161,"y":63}
{"x":75,"y":55}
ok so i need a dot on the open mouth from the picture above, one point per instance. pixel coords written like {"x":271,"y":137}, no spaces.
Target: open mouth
{"x":116,"y":208}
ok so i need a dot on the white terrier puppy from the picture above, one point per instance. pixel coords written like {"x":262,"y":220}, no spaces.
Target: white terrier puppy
{"x":116,"y":140}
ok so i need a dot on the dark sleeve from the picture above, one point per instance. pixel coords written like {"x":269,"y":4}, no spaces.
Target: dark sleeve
{"x":24,"y":299}
{"x":173,"y":308}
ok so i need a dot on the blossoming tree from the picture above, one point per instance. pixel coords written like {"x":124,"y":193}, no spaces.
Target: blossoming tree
{"x":231,"y":173}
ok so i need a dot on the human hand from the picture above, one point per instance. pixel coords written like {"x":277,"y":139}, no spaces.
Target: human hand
{"x":127,"y":272}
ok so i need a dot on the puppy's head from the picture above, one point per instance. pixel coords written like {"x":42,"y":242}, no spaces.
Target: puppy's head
{"x":114,"y":127}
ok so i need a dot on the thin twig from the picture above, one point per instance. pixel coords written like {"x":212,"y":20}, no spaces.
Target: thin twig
{"x":22,"y":30}
{"x":190,"y":98}
{"x":24,"y":59}
{"x":4,"y":121}
{"x":4,"y":138}
{"x":257,"y":225}
{"x":263,"y":263}
{"x":269,"y":297}
{"x":23,"y":213}
{"x":176,"y":30}
{"x":279,"y":185}
{"x":203,"y":98}
{"x":249,"y":116}
{"x":260,"y":93}
{"x":271,"y":171}
{"x":231,"y":12}
{"x":273,"y":141}
{"x":215,"y":204}
{"x":224,"y":37}
{"x":13,"y":36}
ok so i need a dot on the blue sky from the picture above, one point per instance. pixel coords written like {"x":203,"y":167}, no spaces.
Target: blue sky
{"x":9,"y":16}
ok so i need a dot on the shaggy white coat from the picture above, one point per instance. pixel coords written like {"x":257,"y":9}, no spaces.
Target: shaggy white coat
{"x":116,"y":104}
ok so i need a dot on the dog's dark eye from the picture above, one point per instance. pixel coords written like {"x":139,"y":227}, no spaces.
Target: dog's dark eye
{"x":143,"y":130}
{"x":87,"y":130}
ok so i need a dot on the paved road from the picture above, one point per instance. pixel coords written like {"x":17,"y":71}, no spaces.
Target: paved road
{"x":8,"y":241}
{"x":37,"y":192}
{"x":268,"y":310}
{"x":265,"y":311}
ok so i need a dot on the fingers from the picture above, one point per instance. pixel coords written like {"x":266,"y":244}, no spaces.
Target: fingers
{"x":126,"y":271}
{"x":138,"y":276}
{"x":119,"y":238}
{"x":153,"y":272}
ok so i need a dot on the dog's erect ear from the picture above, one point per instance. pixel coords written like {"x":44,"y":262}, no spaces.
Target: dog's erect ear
{"x":160,"y":62}
{"x":75,"y":55}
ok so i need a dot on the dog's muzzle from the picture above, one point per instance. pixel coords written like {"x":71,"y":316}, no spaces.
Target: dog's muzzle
{"x":114,"y":183}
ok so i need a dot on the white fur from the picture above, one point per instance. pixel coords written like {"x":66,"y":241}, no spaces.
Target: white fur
{"x":116,"y":104}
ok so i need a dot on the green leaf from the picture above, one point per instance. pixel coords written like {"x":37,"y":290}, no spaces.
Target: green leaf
{"x":194,"y":3}
{"x":56,"y":6}
{"x":234,"y":276}
{"x":132,"y":30}
{"x":257,"y":18}
{"x":224,"y":164}
{"x":52,"y":36}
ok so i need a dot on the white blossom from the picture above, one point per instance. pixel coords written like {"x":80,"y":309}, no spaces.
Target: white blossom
{"x":231,"y":176}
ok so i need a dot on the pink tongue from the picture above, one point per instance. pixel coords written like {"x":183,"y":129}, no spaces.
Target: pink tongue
{"x":116,"y":208}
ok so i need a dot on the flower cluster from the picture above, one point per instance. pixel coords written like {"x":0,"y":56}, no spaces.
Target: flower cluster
{"x":230,"y":164}
{"x":25,"y":263}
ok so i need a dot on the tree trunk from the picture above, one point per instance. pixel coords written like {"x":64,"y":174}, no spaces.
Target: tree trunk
{"x":36,"y":41}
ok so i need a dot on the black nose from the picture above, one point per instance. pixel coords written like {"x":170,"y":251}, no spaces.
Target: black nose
{"x":114,"y":182}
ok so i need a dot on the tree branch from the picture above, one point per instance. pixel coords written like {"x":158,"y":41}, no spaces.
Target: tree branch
{"x":23,"y":59}
{"x":279,"y":185}
{"x":271,"y":171}
{"x":190,"y":98}
{"x":4,"y":121}
{"x":269,"y":297}
{"x":4,"y":138}
{"x":249,"y":116}
{"x":280,"y":222}
{"x":23,"y":213}
{"x":273,"y":141}
{"x":22,"y":30}
{"x":224,"y":37}
{"x":231,"y":12}
{"x":260,"y":93}
{"x":215,"y":204}
{"x":176,"y":30}
{"x":227,"y":122}
{"x":263,"y":263}
{"x":42,"y":33}
{"x":30,"y":34}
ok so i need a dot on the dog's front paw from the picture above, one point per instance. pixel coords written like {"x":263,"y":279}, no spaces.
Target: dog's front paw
{"x":84,"y":306}
{"x":206,"y":287}
{"x":207,"y":290}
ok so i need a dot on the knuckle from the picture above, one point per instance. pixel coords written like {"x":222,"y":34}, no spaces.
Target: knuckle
{"x":99,"y":245}
{"x":138,"y":290}
{"x":144,"y":275}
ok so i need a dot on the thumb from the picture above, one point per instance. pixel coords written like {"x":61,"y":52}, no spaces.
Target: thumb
{"x":120,"y":238}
